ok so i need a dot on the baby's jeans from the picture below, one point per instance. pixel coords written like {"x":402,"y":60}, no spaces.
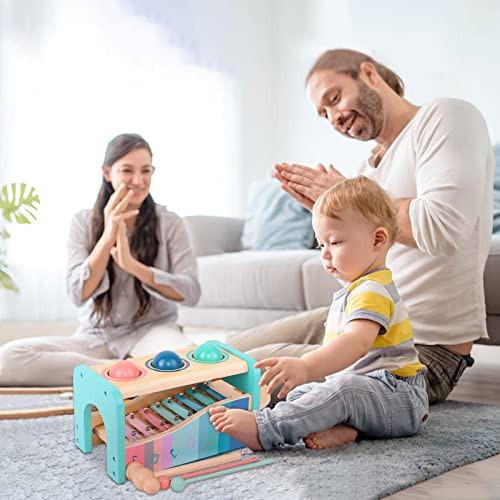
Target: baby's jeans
{"x":378,"y":404}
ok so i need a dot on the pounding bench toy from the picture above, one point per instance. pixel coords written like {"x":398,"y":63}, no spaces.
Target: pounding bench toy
{"x":154,"y":409}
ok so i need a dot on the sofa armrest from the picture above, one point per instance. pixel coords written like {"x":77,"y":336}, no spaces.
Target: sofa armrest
{"x":492,"y":277}
{"x":212,"y":235}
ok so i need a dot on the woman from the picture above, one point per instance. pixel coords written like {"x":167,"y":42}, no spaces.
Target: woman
{"x":130,"y":262}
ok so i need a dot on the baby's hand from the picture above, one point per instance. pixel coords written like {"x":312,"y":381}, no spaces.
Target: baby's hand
{"x":288,"y":372}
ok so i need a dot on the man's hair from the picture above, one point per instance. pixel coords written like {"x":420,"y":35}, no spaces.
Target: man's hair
{"x":349,"y":61}
{"x":363,"y":196}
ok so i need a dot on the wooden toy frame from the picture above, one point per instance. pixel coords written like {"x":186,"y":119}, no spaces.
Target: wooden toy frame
{"x":100,"y":406}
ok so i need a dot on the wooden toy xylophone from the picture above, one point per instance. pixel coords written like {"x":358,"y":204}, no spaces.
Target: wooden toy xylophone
{"x":154,"y":409}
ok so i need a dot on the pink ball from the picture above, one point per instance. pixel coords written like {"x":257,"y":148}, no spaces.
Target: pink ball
{"x":124,"y":370}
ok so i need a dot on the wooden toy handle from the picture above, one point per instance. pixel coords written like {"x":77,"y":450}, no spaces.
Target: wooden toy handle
{"x":142,"y":478}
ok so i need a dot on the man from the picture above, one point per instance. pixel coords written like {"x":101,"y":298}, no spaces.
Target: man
{"x":436,"y":163}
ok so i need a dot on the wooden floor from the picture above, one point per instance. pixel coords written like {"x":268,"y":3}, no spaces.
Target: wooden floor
{"x":481,"y":384}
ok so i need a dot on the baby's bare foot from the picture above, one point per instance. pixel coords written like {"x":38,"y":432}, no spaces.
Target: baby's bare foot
{"x":331,"y":438}
{"x":239,"y":424}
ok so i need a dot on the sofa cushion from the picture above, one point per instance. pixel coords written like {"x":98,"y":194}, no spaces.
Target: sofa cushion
{"x":212,"y":235}
{"x":230,"y":318}
{"x":250,"y":279}
{"x":275,"y":221}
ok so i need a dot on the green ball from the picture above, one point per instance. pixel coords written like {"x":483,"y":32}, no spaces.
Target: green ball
{"x":208,"y":353}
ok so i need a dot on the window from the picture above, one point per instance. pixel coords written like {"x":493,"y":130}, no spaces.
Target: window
{"x":72,"y":76}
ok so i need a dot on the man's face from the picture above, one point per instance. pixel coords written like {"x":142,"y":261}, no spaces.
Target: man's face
{"x":351,"y":106}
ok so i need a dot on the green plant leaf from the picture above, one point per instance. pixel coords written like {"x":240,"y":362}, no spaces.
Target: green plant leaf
{"x":6,"y":281}
{"x":4,"y":234}
{"x":20,"y":201}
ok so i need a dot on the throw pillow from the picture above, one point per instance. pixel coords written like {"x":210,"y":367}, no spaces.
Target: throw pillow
{"x":275,"y":221}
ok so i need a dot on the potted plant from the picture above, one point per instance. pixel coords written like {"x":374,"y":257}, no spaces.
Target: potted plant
{"x":18,"y":204}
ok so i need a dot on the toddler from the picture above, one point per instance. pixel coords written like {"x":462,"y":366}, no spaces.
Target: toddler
{"x":371,"y":379}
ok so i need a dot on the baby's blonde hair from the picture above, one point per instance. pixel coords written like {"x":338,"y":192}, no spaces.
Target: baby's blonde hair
{"x":365,"y":197}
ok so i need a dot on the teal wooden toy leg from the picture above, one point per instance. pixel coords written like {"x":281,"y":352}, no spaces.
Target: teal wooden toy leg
{"x":90,"y":389}
{"x":246,"y":382}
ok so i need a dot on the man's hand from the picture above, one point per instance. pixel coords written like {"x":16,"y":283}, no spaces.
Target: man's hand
{"x":288,"y":372}
{"x":306,"y":184}
{"x":121,"y":251}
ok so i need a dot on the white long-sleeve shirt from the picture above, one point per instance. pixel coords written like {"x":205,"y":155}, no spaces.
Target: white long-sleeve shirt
{"x":443,"y":160}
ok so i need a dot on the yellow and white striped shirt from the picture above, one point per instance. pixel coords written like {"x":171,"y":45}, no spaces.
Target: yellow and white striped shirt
{"x":374,"y":297}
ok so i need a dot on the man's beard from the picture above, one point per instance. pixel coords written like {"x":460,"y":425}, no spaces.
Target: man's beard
{"x":369,"y":106}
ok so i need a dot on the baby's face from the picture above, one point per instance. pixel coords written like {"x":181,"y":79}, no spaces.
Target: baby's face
{"x":347,"y":245}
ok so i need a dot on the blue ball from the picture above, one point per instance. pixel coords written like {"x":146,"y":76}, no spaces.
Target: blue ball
{"x":167,"y":361}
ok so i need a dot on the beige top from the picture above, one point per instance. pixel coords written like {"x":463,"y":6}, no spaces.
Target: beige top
{"x":443,"y":160}
{"x":175,"y":266}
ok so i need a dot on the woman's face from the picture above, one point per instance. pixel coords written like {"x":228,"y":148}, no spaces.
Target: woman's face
{"x":135,"y":171}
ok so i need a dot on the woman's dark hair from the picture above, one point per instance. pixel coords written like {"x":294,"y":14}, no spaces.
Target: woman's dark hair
{"x":348,"y":62}
{"x":144,"y":241}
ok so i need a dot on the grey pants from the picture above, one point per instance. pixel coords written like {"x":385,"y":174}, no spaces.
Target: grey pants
{"x":302,"y":333}
{"x":378,"y":405}
{"x":46,"y":361}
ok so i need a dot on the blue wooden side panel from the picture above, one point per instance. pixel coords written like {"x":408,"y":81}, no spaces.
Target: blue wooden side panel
{"x":90,"y":389}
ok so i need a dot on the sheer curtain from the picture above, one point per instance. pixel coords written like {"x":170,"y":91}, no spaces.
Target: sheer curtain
{"x":72,"y":76}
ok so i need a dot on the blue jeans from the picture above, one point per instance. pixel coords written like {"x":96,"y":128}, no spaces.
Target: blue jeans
{"x":377,"y":404}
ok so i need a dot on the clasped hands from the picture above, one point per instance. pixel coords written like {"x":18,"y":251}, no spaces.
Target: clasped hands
{"x":306,"y":184}
{"x":286,"y":372}
{"x":121,"y":251}
{"x":115,"y":229}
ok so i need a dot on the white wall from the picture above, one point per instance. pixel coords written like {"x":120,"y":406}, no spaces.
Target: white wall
{"x":231,"y":39}
{"x":446,"y":48}
{"x":235,"y":37}
{"x":238,"y":36}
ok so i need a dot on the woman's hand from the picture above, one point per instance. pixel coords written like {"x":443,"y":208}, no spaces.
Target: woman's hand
{"x":123,"y":257}
{"x":306,"y":184}
{"x":114,"y":213}
{"x":121,"y":251}
{"x":286,"y":371}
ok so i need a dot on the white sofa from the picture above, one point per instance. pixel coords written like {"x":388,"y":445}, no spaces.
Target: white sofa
{"x":241,"y":289}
